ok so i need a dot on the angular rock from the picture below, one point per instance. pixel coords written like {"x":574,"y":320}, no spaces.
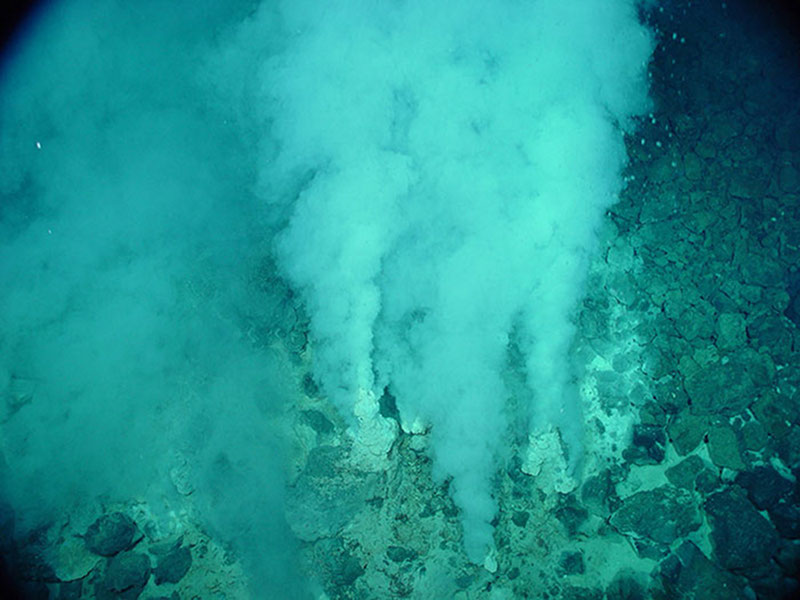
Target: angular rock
{"x":684,"y":474}
{"x":598,"y":492}
{"x":173,"y":566}
{"x":788,"y":446}
{"x":317,"y":421}
{"x":771,"y":332}
{"x":786,"y":517}
{"x":748,"y":182}
{"x":731,"y":331}
{"x":110,"y":534}
{"x":127,"y":573}
{"x":792,"y":311}
{"x":520,"y":518}
{"x":696,"y":323}
{"x":723,"y":448}
{"x":754,"y":436}
{"x":571,"y":563}
{"x":765,"y":487}
{"x":707,"y":481}
{"x":688,"y":573}
{"x":663,"y":514}
{"x":757,"y":268}
{"x":776,"y":412}
{"x":742,"y":538}
{"x":72,"y":560}
{"x":721,"y":389}
{"x":648,"y":444}
{"x":693,"y":166}
{"x":686,"y":431}
{"x":571,"y":514}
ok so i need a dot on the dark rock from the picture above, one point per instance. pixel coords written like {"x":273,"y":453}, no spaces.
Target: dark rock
{"x":688,"y":573}
{"x":571,"y":514}
{"x":792,"y":312}
{"x":787,"y":380}
{"x":731,"y":333}
{"x":387,"y":405}
{"x":788,"y":447}
{"x":336,"y":562}
{"x":759,"y":270}
{"x":786,"y":128}
{"x":723,"y":448}
{"x":707,"y":481}
{"x":754,"y":436}
{"x":349,"y":568}
{"x":125,"y":578}
{"x":520,"y":518}
{"x":771,"y":331}
{"x":625,"y":586}
{"x":720,"y":389}
{"x":686,"y":431}
{"x":654,"y":413}
{"x":571,"y":563}
{"x":399,"y":554}
{"x":514,"y":470}
{"x":165,"y":546}
{"x":127,"y":570}
{"x":317,"y":421}
{"x":110,"y":534}
{"x":70,"y":590}
{"x":648,"y":445}
{"x":765,"y":487}
{"x":697,"y":322}
{"x":788,"y":558}
{"x":662,"y":515}
{"x":670,"y":395}
{"x":786,"y":518}
{"x":776,"y":412}
{"x":647,"y":548}
{"x":684,"y":474}
{"x":742,"y":538}
{"x":310,"y":387}
{"x":173,"y":566}
{"x":656,"y":364}
{"x":464,"y":580}
{"x":598,"y":492}
{"x":769,"y":582}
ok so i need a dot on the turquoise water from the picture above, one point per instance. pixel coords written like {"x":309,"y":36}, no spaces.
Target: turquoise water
{"x":400,"y":300}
